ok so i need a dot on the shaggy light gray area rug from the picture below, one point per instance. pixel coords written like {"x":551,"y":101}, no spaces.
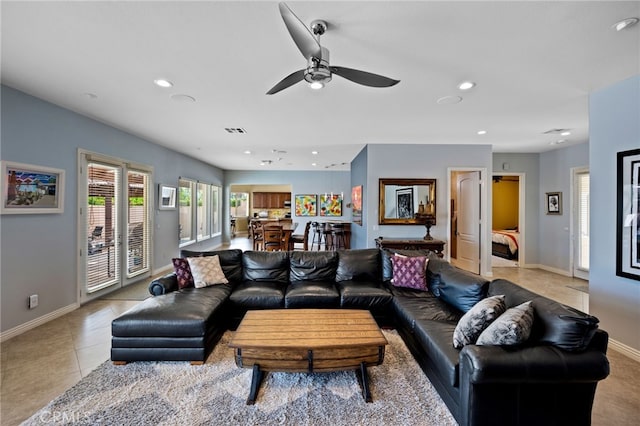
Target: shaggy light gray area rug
{"x":177,"y":393}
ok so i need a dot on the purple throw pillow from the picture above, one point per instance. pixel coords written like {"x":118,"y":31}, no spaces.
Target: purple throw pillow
{"x":409,"y":272}
{"x":183,"y":272}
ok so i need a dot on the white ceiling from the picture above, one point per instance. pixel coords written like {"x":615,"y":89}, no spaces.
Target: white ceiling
{"x":534,"y":63}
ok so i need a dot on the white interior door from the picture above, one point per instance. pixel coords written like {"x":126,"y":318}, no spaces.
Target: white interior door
{"x":468,"y":221}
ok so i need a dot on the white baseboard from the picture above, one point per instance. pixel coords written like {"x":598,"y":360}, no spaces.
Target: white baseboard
{"x":13,"y":332}
{"x":625,"y":350}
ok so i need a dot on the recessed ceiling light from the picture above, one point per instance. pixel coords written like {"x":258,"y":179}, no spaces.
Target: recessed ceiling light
{"x":314,"y":152}
{"x":625,"y":23}
{"x":449,"y":100}
{"x":559,"y":141}
{"x":482,"y":132}
{"x":247,"y":152}
{"x":163,"y":82}
{"x":567,"y":133}
{"x":466,"y":85}
{"x":90,"y":96}
{"x":183,"y":98}
{"x":314,"y":164}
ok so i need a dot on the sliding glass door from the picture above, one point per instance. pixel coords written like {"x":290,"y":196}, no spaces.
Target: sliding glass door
{"x":114,"y":232}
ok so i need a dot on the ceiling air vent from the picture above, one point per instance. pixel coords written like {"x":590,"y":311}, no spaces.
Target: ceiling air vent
{"x":235,"y":130}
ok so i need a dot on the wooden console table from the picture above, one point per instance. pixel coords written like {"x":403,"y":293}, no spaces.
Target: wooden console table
{"x":411,"y":244}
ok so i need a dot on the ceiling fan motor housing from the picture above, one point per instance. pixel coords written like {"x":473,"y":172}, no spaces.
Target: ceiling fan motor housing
{"x":318,"y":69}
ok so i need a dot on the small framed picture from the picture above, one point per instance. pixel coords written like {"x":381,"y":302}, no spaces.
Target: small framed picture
{"x":554,"y":203}
{"x":166,"y":197}
{"x":628,"y":215}
{"x":28,"y":189}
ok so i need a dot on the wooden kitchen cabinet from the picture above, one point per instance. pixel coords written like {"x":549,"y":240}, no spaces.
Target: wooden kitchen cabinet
{"x":270,"y":200}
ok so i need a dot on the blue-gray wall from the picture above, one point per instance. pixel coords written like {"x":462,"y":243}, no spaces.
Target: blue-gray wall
{"x":614,"y":123}
{"x":359,"y":177}
{"x":418,"y":161}
{"x":39,"y":252}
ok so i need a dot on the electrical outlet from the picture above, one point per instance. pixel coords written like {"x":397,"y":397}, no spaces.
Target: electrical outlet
{"x":33,"y":301}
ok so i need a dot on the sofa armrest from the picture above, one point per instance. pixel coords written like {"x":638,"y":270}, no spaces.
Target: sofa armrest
{"x":538,"y":364}
{"x":164,"y":285}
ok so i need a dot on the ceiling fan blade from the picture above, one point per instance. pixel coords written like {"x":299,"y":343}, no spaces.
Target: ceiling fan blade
{"x":306,"y":42}
{"x":364,"y":78}
{"x":288,"y":81}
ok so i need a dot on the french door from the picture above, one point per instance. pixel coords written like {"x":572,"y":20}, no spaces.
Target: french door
{"x":580,"y":223}
{"x":114,"y":224}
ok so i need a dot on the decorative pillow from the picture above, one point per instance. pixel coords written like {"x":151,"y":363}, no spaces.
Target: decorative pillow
{"x":477,"y":319}
{"x":409,"y":272}
{"x":183,"y":272}
{"x":511,"y":328}
{"x":206,"y":271}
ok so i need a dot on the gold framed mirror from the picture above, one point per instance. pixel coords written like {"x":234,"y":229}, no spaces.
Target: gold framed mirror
{"x":400,"y":200}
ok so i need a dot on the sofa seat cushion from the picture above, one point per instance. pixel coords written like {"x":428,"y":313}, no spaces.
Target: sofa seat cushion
{"x":183,"y":313}
{"x":556,"y":324}
{"x":258,"y":295}
{"x":435,"y":338}
{"x":411,"y":305}
{"x":313,"y":265}
{"x":312,"y":294}
{"x":364,"y":294}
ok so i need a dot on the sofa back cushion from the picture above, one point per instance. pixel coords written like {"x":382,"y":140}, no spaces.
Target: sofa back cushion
{"x":455,"y":286}
{"x":386,"y":254}
{"x":313,"y":265}
{"x":359,"y":265}
{"x":230,"y":260}
{"x":266,"y":266}
{"x":554,"y":323}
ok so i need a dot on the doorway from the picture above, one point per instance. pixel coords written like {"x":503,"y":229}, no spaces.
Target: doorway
{"x":507,"y":234}
{"x":467,"y":220}
{"x":580,"y":222}
{"x":114,"y":205}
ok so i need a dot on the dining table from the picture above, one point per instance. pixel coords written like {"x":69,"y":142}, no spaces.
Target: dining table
{"x":288,"y":228}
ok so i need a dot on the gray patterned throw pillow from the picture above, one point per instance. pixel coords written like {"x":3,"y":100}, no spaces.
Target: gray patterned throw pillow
{"x":511,"y":328}
{"x":477,"y":319}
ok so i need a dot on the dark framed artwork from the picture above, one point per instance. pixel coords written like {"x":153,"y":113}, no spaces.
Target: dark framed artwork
{"x":554,"y":203}
{"x":28,"y":189}
{"x":404,"y":203}
{"x":628,"y":215}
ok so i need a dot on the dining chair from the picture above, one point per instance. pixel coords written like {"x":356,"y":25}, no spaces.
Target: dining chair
{"x":272,"y":237}
{"x":257,"y":235}
{"x":301,"y":238}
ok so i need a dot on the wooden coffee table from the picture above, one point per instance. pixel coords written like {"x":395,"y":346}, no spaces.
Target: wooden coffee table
{"x":308,"y":340}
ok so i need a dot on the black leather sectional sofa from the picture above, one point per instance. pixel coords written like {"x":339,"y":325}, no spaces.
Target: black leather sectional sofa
{"x":550,"y":379}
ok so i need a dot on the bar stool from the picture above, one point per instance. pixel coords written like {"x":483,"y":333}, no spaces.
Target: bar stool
{"x":338,"y":239}
{"x":316,"y":238}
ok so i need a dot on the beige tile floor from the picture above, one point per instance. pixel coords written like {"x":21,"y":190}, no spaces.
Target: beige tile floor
{"x":40,"y":364}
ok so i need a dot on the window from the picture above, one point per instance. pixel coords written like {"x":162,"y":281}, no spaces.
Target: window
{"x":185,"y":193}
{"x":199,"y":211}
{"x":239,"y":203}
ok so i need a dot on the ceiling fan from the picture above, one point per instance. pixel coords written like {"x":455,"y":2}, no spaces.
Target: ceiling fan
{"x":318,"y":71}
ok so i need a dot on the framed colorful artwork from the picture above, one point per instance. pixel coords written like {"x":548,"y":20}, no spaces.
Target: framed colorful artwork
{"x":28,"y":189}
{"x":330,"y":204}
{"x":306,"y":205}
{"x":628,"y":215}
{"x":356,"y":204}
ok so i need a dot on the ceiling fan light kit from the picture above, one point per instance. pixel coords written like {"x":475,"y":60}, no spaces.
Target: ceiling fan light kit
{"x":319,"y":71}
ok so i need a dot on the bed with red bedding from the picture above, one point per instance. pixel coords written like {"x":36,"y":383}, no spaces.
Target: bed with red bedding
{"x":505,"y":243}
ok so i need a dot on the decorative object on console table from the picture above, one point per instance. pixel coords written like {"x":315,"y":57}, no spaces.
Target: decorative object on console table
{"x":428,"y":220}
{"x":411,"y":244}
{"x":628,"y":215}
